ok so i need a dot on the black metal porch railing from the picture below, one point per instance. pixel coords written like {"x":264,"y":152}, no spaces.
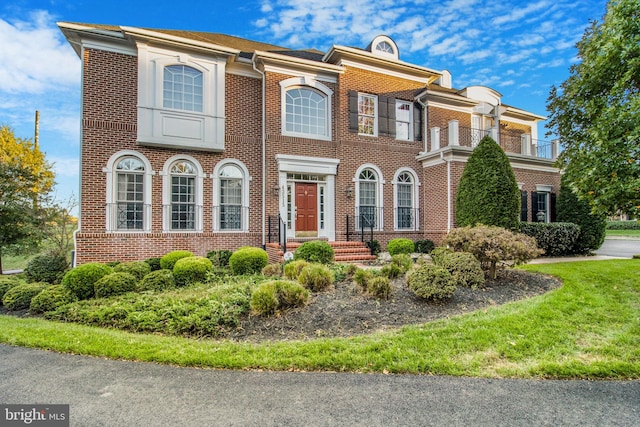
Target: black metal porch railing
{"x":277,"y":231}
{"x":407,"y":218}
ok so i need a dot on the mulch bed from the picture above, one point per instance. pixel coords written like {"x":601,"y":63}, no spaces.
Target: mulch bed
{"x":344,"y":311}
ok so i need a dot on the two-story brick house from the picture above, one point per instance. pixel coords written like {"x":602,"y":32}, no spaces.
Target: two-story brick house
{"x":204,"y":141}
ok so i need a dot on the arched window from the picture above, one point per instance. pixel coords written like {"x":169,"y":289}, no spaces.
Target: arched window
{"x":230,"y":198}
{"x":182,"y":88}
{"x":182,"y":194}
{"x":306,"y":108}
{"x":406,"y":200}
{"x":369,"y":198}
{"x":128,"y":192}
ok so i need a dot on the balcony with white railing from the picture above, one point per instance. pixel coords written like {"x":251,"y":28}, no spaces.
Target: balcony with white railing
{"x":511,"y":142}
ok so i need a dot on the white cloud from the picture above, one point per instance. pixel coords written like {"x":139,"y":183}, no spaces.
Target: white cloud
{"x":65,"y":166}
{"x":35,"y":56}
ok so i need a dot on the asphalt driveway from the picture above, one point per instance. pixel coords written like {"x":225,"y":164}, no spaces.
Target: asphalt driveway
{"x":104,"y":392}
{"x":620,"y":247}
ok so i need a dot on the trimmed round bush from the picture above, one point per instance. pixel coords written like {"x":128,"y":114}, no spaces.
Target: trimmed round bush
{"x":400,"y":246}
{"x":278,"y":294}
{"x":248,"y":260}
{"x":465,"y":269}
{"x":154,"y":263}
{"x":81,"y":280}
{"x":379,"y":287}
{"x":19,"y":297}
{"x":316,"y":277}
{"x":6,"y":283}
{"x":190,"y":270}
{"x":47,"y":267}
{"x":431,"y":282}
{"x":137,"y":269}
{"x":293,"y":269}
{"x":159,"y":280}
{"x":362,"y":277}
{"x":115,"y":284}
{"x":170,"y":259}
{"x":437,"y":254}
{"x":317,"y":251}
{"x":273,"y":270}
{"x":404,"y":261}
{"x":51,"y":298}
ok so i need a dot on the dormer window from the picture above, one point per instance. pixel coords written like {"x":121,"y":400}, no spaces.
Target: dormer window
{"x":384,"y":46}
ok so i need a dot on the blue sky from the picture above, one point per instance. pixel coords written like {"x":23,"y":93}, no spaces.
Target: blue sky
{"x":519,"y":48}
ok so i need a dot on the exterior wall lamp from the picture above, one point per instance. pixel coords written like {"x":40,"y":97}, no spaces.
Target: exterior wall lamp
{"x":276,"y":190}
{"x":349,"y":192}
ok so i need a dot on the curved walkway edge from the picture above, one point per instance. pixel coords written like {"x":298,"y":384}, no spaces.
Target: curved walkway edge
{"x":111,"y":392}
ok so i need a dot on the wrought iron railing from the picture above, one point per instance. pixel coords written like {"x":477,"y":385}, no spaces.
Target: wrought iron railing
{"x":230,"y":217}
{"x":277,"y":231}
{"x":407,"y":218}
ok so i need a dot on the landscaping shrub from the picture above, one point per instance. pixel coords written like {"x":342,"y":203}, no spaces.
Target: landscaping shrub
{"x":488,"y":192}
{"x":273,"y":270}
{"x":19,"y":297}
{"x":424,"y":246}
{"x":464,"y":268}
{"x":137,"y":269}
{"x":431,"y":282}
{"x":169,"y":260}
{"x":292,"y":269}
{"x":81,"y":280}
{"x":190,"y":270}
{"x":220,"y":258}
{"x":154,"y":263}
{"x":248,"y":260}
{"x":404,"y":261}
{"x":554,"y":238}
{"x":400,"y":246}
{"x":391,"y":271}
{"x":493,"y":245}
{"x":374,"y":247}
{"x":51,"y":298}
{"x":112,"y":263}
{"x":158,"y":280}
{"x":341,"y":271}
{"x":115,"y":284}
{"x":362,"y":277}
{"x":623,"y":225}
{"x":379,"y":287}
{"x":6,"y":283}
{"x":592,"y":226}
{"x":317,"y":251}
{"x":316,"y":277}
{"x":437,"y":254}
{"x":47,"y":267}
{"x":278,"y":294}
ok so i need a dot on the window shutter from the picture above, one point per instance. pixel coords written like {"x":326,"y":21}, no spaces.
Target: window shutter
{"x":552,"y":207}
{"x":534,"y":206}
{"x":353,"y":111}
{"x":391,"y":114}
{"x":383,"y":115}
{"x":417,"y":122}
{"x":524,"y":210}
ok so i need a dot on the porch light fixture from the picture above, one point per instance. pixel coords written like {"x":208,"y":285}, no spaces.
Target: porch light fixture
{"x":541,"y":216}
{"x":276,"y":190}
{"x":349,"y":192}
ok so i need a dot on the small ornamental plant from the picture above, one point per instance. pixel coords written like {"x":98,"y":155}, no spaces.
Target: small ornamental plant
{"x":465,"y":269}
{"x":400,"y":246}
{"x":248,"y":260}
{"x":431,"y":282}
{"x":170,"y":259}
{"x":81,"y":280}
{"x":138,"y":269}
{"x":275,"y":295}
{"x":316,"y":277}
{"x":191,"y":270}
{"x":317,"y":251}
{"x":159,"y":280}
{"x":115,"y":284}
{"x":19,"y":297}
{"x":293,"y":269}
{"x":50,"y":299}
{"x":47,"y":267}
{"x":379,"y":287}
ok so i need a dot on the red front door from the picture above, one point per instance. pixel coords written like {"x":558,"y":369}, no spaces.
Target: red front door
{"x":306,"y":207}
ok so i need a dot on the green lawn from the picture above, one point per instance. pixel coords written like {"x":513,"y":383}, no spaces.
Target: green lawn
{"x":629,"y":233}
{"x":589,"y":328}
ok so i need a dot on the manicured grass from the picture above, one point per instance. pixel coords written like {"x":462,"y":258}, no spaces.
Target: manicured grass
{"x":589,"y":328}
{"x":629,"y":233}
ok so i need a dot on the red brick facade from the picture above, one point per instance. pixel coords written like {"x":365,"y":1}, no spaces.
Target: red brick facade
{"x":109,"y":125}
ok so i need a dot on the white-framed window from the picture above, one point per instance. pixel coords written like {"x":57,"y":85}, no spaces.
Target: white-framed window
{"x":181,"y":99}
{"x":306,"y":108}
{"x":384,"y":46}
{"x":231,"y":196}
{"x":182,"y":88}
{"x":406,"y":200}
{"x":369,"y":206}
{"x":182,"y":194}
{"x":404,"y":120}
{"x":128,"y":192}
{"x":367,"y":114}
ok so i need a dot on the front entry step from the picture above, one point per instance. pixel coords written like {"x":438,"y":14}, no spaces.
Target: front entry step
{"x":343,"y":251}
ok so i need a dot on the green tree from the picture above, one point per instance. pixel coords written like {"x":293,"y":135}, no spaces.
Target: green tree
{"x":488,"y":192}
{"x":595,"y":113}
{"x":24,"y":176}
{"x":592,"y":226}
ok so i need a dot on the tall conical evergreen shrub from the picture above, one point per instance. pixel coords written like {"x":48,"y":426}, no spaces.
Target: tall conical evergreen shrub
{"x":592,"y":226}
{"x":488,"y":192}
